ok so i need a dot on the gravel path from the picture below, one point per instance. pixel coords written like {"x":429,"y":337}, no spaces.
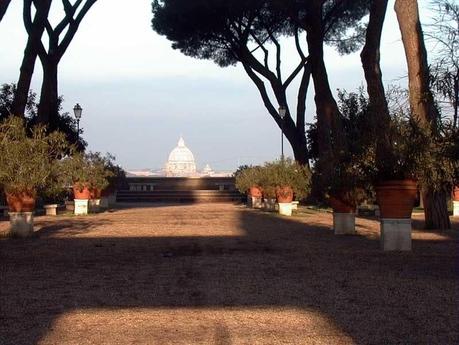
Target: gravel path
{"x":222,"y":274}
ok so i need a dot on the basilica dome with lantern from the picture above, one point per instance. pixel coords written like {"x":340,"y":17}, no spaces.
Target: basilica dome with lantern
{"x":181,"y":161}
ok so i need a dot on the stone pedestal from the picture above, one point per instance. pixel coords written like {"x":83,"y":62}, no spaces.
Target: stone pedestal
{"x":254,"y":202}
{"x":112,"y":200}
{"x":69,"y":205}
{"x":344,"y":223}
{"x":104,"y":202}
{"x":455,"y":208}
{"x":269,"y":205}
{"x":81,"y":206}
{"x":50,"y":210}
{"x":285,"y":208}
{"x":21,"y":223}
{"x":94,"y":205}
{"x":395,"y":234}
{"x":295,"y":205}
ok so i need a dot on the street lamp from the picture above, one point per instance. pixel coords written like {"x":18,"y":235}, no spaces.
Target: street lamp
{"x":282,"y":113}
{"x":77,"y":110}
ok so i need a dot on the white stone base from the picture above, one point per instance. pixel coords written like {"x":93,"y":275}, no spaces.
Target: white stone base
{"x":295,"y":205}
{"x":285,"y":208}
{"x":112,"y":200}
{"x":104,"y":202}
{"x":69,"y":206}
{"x":50,"y":210}
{"x":395,"y":234}
{"x":21,"y":223}
{"x":94,"y":205}
{"x":269,"y":204}
{"x":344,"y":223}
{"x":254,"y":202}
{"x":81,"y":206}
{"x":455,"y":208}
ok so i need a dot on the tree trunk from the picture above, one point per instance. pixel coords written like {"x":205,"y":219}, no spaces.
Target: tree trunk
{"x":436,"y":210}
{"x":421,"y":100}
{"x":48,"y":106}
{"x":328,"y":115}
{"x":35,"y":30}
{"x":456,"y":99}
{"x":25,"y":78}
{"x":370,"y":58}
{"x":298,"y":142}
{"x":3,"y":7}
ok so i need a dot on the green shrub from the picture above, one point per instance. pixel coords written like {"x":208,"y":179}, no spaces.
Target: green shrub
{"x":246,"y":177}
{"x":90,"y":170}
{"x":287,"y":172}
{"x":29,"y":160}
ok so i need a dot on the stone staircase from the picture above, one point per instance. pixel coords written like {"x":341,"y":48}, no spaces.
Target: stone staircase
{"x":179,"y":196}
{"x":180,"y":190}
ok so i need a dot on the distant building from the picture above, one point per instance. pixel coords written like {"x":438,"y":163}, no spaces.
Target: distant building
{"x":181,"y":161}
{"x":207,"y":171}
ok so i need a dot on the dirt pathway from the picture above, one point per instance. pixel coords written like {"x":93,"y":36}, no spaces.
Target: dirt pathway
{"x":221,"y":274}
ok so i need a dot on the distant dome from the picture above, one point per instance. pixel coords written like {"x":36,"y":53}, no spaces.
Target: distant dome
{"x":207,"y":170}
{"x":181,"y":161}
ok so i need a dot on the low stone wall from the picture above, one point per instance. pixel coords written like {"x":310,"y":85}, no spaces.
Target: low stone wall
{"x":180,"y":183}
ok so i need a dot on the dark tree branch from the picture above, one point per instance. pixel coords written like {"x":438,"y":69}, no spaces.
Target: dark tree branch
{"x":301,"y":98}
{"x":278,"y":56}
{"x":298,"y":45}
{"x":295,"y":72}
{"x":263,"y":92}
{"x":265,"y":51}
{"x":73,"y":27}
{"x":3,"y":7}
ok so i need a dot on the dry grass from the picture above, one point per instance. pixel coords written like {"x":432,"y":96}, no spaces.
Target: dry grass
{"x":221,"y":274}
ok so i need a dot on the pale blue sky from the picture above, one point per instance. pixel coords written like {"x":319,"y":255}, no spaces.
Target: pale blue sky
{"x":139,"y":95}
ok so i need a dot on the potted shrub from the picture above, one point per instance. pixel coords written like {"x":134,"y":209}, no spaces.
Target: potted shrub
{"x":27,"y":164}
{"x":248,"y":180}
{"x":98,"y":180}
{"x":268,"y":188}
{"x":52,"y":196}
{"x":290,"y":180}
{"x":454,"y":154}
{"x":341,"y":176}
{"x":411,"y":158}
{"x":76,"y":176}
{"x":117,"y":180}
{"x":87,"y":174}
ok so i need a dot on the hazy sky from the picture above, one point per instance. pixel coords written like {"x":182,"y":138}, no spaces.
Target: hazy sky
{"x":138,"y":95}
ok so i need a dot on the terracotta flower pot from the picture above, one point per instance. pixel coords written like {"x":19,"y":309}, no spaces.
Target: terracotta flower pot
{"x":81,"y":192}
{"x":284,"y":194}
{"x":396,"y":198}
{"x":255,"y":192}
{"x":340,"y":205}
{"x":455,"y":194}
{"x":21,"y":202}
{"x":95,"y":193}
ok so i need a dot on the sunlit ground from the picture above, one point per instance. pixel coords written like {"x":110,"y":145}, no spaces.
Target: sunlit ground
{"x":195,"y":326}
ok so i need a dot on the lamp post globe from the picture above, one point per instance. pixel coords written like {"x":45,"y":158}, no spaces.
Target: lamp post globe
{"x":77,"y":111}
{"x":282,"y":113}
